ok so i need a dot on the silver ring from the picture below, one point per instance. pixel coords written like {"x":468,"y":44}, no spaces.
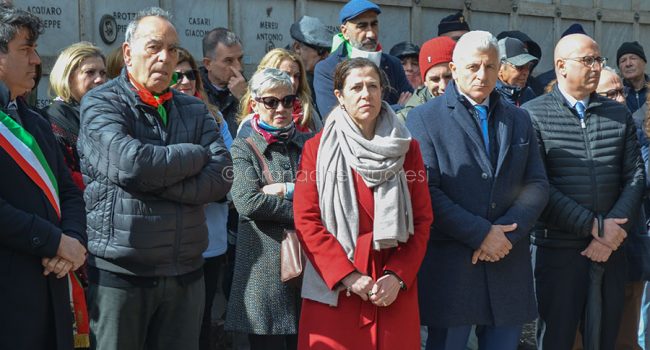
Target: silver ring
{"x":370,"y":294}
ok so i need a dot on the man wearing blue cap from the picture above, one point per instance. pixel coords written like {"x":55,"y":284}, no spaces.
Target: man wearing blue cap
{"x":359,"y":38}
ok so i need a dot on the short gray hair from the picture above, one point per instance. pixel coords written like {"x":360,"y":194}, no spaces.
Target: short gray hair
{"x":269,"y":78}
{"x":148,"y":12}
{"x":476,"y":40}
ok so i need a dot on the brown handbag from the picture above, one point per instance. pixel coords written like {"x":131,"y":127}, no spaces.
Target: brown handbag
{"x":292,"y":257}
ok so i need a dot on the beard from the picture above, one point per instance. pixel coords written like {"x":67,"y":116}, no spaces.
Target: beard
{"x":366,"y":45}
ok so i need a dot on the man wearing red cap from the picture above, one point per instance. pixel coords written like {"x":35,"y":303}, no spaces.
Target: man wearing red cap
{"x":435,"y":56}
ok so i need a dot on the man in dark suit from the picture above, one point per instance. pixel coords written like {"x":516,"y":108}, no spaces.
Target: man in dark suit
{"x":359,"y":38}
{"x":41,"y":210}
{"x":590,"y":149}
{"x":487,"y":186}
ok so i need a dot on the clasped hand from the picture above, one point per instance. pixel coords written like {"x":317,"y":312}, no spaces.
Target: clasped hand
{"x":495,"y":245}
{"x":70,"y":256}
{"x":381,"y":293}
{"x":275,"y":189}
{"x":613,"y":233}
{"x":601,"y":248}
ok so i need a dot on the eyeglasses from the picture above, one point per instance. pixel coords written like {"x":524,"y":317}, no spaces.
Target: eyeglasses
{"x":589,"y":61}
{"x":271,"y":102}
{"x":190,"y":74}
{"x":611,"y":94}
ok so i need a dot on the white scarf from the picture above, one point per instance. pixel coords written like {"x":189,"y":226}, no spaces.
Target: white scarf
{"x":379,"y":162}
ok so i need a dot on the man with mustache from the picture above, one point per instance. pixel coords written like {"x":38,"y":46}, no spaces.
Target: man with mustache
{"x":359,"y":37}
{"x":631,"y":60}
{"x":487,"y":187}
{"x":151,"y":158}
{"x":589,"y":146}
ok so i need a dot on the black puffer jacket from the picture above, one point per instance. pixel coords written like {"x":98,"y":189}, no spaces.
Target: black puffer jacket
{"x":146,"y":183}
{"x":591,"y":171}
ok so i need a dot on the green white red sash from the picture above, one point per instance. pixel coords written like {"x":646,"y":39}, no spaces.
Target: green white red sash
{"x":24,"y":150}
{"x":21,"y":146}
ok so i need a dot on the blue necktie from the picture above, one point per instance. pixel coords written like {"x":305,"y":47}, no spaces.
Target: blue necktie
{"x":581,"y":112}
{"x":483,"y":118}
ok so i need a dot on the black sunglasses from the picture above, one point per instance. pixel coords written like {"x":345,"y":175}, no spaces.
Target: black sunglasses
{"x":190,"y":74}
{"x":271,"y":102}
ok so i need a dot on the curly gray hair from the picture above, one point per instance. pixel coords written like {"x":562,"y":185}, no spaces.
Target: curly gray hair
{"x":269,"y":78}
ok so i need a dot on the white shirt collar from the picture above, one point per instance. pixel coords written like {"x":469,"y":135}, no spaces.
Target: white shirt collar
{"x":485,"y":102}
{"x":572,"y":100}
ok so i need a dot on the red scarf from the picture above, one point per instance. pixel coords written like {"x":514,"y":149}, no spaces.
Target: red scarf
{"x":155,"y":101}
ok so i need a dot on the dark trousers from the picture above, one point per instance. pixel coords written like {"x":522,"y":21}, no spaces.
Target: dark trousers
{"x":211,"y":270}
{"x":273,"y":342}
{"x":489,"y":337}
{"x":164,"y":316}
{"x":562,"y":283}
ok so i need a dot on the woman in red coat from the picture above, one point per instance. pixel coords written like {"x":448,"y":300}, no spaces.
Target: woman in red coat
{"x":362,"y":211}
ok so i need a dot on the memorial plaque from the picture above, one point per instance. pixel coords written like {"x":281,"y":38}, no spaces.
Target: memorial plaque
{"x":618,"y":4}
{"x":106,"y":21}
{"x":394,"y":26}
{"x":616,"y":34}
{"x":645,"y":5}
{"x":60,"y":21}
{"x":193,"y":19}
{"x":430,"y":20}
{"x":328,"y":13}
{"x":644,"y":40}
{"x":43,"y":98}
{"x":494,"y":23}
{"x":540,"y":29}
{"x":265,"y":26}
{"x":583,"y":3}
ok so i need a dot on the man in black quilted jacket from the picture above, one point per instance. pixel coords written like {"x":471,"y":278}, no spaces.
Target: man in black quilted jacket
{"x":151,"y":159}
{"x":589,"y":146}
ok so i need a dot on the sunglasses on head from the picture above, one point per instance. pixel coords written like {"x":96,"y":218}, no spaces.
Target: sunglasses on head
{"x":190,"y":74}
{"x":271,"y":102}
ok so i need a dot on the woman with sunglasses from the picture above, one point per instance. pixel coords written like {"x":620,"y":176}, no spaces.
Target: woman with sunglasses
{"x":216,"y":214}
{"x":363,"y":215}
{"x":260,"y":304}
{"x":304,"y":114}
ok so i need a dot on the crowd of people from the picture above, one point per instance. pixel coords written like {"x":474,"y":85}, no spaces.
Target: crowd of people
{"x":443,"y":196}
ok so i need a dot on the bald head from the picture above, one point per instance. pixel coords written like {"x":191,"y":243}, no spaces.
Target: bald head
{"x":610,"y":85}
{"x":574,"y":55}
